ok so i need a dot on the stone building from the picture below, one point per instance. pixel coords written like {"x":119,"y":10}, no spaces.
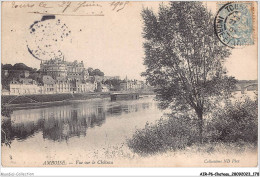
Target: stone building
{"x":76,"y":71}
{"x":59,"y":68}
{"x":127,"y":85}
{"x":63,"y":86}
{"x":54,"y":68}
{"x":24,"y":86}
{"x":70,"y":77}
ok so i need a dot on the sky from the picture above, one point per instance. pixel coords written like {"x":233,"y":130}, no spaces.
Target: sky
{"x":102,"y":35}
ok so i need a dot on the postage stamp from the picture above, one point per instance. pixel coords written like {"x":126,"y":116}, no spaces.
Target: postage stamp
{"x":234,"y":24}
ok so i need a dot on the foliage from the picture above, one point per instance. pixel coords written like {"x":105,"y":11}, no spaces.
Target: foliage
{"x":95,"y":72}
{"x":5,"y":111}
{"x":235,"y":123}
{"x":18,"y":66}
{"x":37,"y":76}
{"x":6,"y":66}
{"x":5,"y":80}
{"x":172,"y":133}
{"x":115,"y":83}
{"x":6,"y":135}
{"x":16,"y":71}
{"x":99,"y":87}
{"x":183,"y":57}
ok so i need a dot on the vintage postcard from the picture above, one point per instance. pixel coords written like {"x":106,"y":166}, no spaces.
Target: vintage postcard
{"x":129,"y":84}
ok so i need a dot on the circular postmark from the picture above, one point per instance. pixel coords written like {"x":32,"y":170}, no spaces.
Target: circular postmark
{"x":46,"y":38}
{"x":234,"y":24}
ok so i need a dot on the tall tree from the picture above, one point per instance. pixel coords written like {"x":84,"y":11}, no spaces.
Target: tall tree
{"x":115,"y":83}
{"x":183,"y":57}
{"x":95,"y":72}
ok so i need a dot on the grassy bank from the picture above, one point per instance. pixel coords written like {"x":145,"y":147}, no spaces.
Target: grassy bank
{"x":236,"y":124}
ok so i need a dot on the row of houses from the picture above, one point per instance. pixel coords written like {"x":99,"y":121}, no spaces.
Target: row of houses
{"x":55,"y":76}
{"x":48,"y":85}
{"x":23,"y":86}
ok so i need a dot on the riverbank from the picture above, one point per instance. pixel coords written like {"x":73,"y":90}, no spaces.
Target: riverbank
{"x":36,"y":101}
{"x":41,"y":98}
{"x":45,"y":100}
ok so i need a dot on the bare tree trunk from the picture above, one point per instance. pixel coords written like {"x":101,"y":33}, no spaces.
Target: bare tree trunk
{"x":200,"y":122}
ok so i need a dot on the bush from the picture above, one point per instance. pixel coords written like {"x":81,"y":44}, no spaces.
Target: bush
{"x":237,"y":122}
{"x":6,"y":111}
{"x":234,"y":124}
{"x":172,"y":133}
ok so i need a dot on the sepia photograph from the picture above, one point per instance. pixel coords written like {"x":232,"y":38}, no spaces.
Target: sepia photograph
{"x":129,"y":84}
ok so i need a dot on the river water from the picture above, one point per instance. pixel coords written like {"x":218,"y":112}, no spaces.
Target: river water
{"x":75,"y":133}
{"x":94,"y":133}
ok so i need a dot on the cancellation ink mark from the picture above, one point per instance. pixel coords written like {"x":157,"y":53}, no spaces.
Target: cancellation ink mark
{"x":46,"y":38}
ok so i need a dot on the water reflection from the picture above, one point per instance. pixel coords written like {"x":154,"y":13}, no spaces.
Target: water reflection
{"x":63,"y":122}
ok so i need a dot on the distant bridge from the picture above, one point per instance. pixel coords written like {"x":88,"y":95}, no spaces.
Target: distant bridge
{"x":247,"y":86}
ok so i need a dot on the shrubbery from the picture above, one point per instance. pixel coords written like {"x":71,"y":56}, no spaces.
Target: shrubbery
{"x":235,"y":124}
{"x":173,"y":133}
